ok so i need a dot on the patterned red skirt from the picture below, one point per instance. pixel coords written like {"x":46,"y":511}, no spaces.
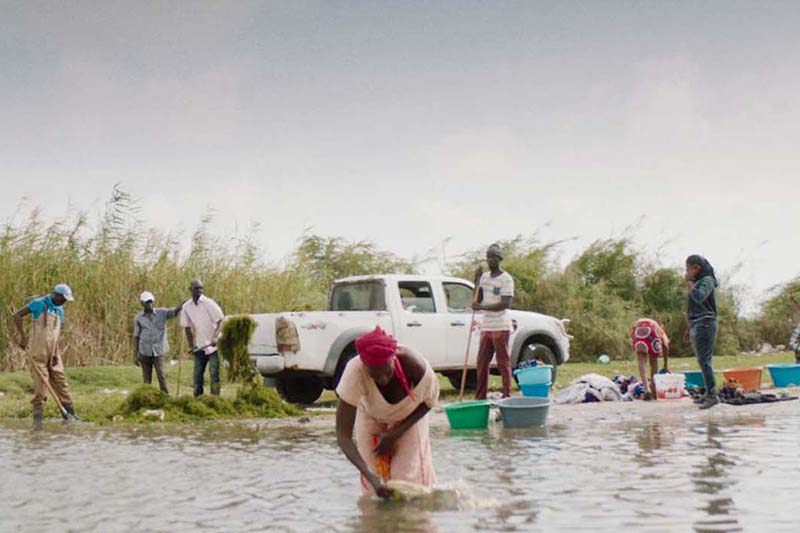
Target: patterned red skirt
{"x":645,"y":338}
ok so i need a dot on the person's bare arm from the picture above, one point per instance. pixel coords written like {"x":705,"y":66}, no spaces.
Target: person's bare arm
{"x":18,"y":316}
{"x":503,"y":304}
{"x":388,"y":439}
{"x":217,"y":333}
{"x":190,"y":338}
{"x":175,"y":312}
{"x":345,"y":420}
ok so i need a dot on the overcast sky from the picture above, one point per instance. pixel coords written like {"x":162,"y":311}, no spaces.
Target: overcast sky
{"x":410,"y":123}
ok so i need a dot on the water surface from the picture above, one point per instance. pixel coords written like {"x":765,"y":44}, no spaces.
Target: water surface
{"x":731,"y":473}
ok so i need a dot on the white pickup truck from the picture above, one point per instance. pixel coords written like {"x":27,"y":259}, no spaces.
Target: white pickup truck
{"x":429,"y":313}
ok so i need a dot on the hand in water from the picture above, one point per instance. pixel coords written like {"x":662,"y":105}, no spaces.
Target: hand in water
{"x":380,"y":487}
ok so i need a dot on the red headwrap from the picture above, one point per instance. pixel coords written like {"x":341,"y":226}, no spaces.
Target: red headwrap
{"x":378,"y":348}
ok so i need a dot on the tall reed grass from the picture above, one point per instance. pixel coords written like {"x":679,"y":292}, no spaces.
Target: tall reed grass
{"x":109,"y":263}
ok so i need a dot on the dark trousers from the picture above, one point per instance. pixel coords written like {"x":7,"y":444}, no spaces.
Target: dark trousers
{"x":147,"y":370}
{"x":493,"y":343}
{"x":201,"y":359}
{"x":703,"y":335}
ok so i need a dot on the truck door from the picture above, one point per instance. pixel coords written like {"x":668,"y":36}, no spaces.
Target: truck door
{"x":422,"y":325}
{"x":458,"y":298}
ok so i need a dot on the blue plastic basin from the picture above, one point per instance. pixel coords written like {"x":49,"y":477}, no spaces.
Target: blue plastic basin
{"x":694,"y":378}
{"x":539,"y":390}
{"x":535,"y":375}
{"x":785,"y":375}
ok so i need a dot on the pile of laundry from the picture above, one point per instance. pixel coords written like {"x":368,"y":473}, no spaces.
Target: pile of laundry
{"x":630,"y":387}
{"x":589,"y":388}
{"x":732,"y":394}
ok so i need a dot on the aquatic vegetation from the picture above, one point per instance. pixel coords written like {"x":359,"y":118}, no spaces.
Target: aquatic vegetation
{"x":236,"y":334}
{"x":251,"y":401}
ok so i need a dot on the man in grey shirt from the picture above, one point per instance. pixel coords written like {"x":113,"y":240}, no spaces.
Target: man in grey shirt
{"x":150,"y":338}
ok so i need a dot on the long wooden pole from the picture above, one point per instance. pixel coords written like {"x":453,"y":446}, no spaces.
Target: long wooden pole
{"x":180,"y":365}
{"x":64,"y":414}
{"x":469,"y":342}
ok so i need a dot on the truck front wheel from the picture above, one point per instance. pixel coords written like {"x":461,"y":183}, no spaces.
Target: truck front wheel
{"x":302,"y":390}
{"x":455,"y":379}
{"x":539,"y":352}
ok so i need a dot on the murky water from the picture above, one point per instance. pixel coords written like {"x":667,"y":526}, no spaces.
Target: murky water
{"x":738,"y":473}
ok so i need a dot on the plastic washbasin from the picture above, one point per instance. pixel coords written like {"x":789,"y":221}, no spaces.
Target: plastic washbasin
{"x":535,"y":375}
{"x":694,"y":378}
{"x":522,"y":412}
{"x":785,"y":375}
{"x":539,"y":390}
{"x":472,"y":414}
{"x":747,"y":378}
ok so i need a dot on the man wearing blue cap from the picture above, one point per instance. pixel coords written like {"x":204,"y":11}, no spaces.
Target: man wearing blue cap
{"x":47,"y":313}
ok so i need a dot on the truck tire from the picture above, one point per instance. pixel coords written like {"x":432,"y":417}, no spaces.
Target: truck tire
{"x":455,"y":379}
{"x":540,"y":352}
{"x":348,"y":354}
{"x":302,"y":390}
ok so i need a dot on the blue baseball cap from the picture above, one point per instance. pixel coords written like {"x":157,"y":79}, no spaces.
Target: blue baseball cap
{"x":64,"y":290}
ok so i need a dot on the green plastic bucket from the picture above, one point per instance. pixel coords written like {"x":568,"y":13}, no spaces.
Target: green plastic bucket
{"x":468,"y":415}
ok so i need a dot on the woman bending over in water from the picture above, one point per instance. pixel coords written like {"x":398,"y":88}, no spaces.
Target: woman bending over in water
{"x":385,"y":394}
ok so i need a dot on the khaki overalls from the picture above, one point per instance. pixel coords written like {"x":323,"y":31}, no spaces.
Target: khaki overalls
{"x":43,"y":349}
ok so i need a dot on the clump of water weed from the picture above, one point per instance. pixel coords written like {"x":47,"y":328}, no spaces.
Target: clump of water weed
{"x":144,"y":397}
{"x":263,"y":402}
{"x":233,"y":347}
{"x":251,"y":401}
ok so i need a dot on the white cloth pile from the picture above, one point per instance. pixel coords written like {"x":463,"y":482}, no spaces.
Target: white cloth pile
{"x":590,"y":388}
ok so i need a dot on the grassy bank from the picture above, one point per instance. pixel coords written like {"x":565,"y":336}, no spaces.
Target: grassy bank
{"x":572,"y":370}
{"x":103,"y":392}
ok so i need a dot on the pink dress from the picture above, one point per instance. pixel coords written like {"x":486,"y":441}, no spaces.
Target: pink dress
{"x":411,"y":460}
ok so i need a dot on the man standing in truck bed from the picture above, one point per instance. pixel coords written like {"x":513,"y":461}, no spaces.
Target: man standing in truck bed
{"x":496,"y":288}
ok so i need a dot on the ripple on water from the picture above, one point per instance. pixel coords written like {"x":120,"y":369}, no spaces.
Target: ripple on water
{"x":703,"y":474}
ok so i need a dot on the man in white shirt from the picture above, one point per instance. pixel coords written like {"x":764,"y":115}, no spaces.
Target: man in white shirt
{"x":201,"y":318}
{"x":496,"y":289}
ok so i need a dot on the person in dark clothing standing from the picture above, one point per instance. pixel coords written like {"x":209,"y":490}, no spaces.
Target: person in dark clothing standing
{"x":701,"y":312}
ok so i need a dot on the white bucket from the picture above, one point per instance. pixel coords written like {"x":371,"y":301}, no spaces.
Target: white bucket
{"x":669,"y":386}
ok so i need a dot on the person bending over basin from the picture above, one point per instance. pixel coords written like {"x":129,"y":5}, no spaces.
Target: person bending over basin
{"x":385,"y":395}
{"x":649,"y":341}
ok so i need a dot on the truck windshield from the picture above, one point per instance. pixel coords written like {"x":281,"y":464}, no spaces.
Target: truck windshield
{"x":362,"y":296}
